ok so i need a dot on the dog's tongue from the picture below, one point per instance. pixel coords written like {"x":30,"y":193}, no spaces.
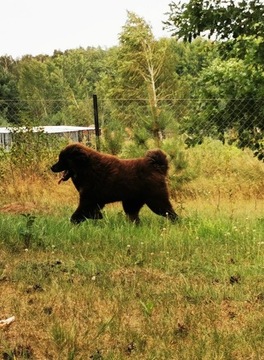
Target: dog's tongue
{"x":64,"y":176}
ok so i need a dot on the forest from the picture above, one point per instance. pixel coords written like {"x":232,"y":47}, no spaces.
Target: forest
{"x":207,"y":80}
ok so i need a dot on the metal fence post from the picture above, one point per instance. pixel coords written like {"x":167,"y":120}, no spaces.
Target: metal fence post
{"x":96,"y":122}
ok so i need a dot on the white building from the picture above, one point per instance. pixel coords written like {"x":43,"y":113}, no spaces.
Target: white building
{"x":74,"y":133}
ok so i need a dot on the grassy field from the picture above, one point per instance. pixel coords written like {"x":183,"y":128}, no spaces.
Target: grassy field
{"x":108,"y":289}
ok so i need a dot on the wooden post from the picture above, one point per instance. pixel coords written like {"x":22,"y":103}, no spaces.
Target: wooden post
{"x":96,"y":122}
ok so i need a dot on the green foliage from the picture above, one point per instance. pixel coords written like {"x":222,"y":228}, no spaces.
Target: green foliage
{"x":31,"y":151}
{"x":140,"y":136}
{"x":55,"y":89}
{"x":137,"y":78}
{"x":224,"y":170}
{"x":192,"y":58}
{"x":9,"y":103}
{"x":225,"y":20}
{"x":113,"y":140}
{"x":229,"y":105}
{"x":180,"y":173}
{"x":248,"y":48}
{"x":234,"y":85}
{"x":27,"y":232}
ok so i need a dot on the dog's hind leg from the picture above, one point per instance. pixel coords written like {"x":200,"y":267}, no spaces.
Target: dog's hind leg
{"x":132,"y":208}
{"x":163,"y":208}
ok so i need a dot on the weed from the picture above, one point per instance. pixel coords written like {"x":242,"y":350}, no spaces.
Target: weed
{"x":147,"y":307}
{"x":27,"y":233}
{"x":64,"y":339}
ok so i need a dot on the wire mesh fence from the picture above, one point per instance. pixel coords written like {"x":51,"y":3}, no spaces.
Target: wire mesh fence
{"x":233,"y":121}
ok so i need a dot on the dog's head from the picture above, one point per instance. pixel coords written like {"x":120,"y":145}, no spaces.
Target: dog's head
{"x":72,"y":159}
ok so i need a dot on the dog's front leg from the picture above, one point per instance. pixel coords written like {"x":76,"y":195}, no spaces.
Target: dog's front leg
{"x":86,"y":210}
{"x":81,"y":215}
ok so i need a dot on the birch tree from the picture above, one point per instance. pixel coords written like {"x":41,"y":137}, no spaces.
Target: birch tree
{"x":144,"y":67}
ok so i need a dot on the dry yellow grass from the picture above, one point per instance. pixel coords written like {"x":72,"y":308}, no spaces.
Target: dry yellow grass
{"x":220,"y":175}
{"x":143,"y":312}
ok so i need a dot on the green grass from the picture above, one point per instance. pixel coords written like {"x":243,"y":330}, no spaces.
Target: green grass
{"x":110,"y":290}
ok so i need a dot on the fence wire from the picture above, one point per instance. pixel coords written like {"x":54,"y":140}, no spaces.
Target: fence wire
{"x":236,"y":121}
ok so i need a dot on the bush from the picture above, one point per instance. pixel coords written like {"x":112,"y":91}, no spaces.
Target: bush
{"x":31,"y":152}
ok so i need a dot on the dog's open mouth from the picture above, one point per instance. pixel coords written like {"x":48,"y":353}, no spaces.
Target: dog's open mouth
{"x":65,"y":176}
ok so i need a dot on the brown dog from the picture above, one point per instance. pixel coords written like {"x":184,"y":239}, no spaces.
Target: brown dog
{"x":101,"y":179}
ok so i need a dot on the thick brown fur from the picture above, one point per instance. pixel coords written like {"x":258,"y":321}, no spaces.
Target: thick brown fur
{"x":101,"y":179}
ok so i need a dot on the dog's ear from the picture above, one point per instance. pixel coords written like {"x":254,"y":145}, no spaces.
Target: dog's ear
{"x":78,"y":158}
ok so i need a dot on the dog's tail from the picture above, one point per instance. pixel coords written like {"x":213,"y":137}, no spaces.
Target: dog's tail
{"x":158,"y":160}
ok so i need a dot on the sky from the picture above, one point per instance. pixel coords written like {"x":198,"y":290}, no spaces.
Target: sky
{"x":33,"y":27}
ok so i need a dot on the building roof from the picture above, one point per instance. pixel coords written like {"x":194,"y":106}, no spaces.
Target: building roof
{"x":48,"y":129}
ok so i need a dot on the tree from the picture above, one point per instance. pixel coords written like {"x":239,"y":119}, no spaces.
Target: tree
{"x":142,"y":60}
{"x":218,"y":113}
{"x":215,"y":18}
{"x":9,"y":102}
{"x":35,"y":89}
{"x":56,"y":88}
{"x":80,"y":71}
{"x":234,"y":83}
{"x":141,"y":76}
